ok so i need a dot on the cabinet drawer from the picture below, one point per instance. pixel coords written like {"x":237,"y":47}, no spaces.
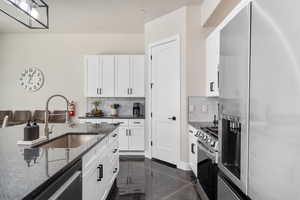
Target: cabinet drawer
{"x":95,"y":121}
{"x":136,"y":122}
{"x":123,"y":122}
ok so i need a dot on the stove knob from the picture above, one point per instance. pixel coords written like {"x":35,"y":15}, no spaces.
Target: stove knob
{"x":213,"y":143}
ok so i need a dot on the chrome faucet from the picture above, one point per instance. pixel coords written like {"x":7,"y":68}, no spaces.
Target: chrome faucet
{"x":47,"y":131}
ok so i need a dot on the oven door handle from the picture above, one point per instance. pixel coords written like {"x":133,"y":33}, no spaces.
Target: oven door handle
{"x":209,"y":154}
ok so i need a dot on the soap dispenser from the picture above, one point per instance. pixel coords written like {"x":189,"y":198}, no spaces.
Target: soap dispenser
{"x":36,"y":130}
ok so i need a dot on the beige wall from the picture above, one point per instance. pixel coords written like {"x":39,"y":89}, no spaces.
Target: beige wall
{"x":60,"y":57}
{"x":220,"y":10}
{"x":186,"y":23}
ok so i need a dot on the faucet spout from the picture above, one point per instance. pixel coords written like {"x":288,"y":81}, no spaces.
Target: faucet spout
{"x":47,"y":132}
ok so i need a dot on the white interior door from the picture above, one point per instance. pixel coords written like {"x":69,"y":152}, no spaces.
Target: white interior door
{"x":122,"y":76}
{"x":92,"y":76}
{"x":166,"y":101}
{"x":138,"y":76}
{"x":108,"y":72}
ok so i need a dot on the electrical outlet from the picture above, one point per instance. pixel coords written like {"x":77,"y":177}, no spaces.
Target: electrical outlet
{"x":191,"y":108}
{"x":204,"y":108}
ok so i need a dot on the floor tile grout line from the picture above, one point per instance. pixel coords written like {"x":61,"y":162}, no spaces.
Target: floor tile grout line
{"x":176,"y":191}
{"x":174,"y":177}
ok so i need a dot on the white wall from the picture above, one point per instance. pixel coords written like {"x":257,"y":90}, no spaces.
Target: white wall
{"x":60,"y":57}
{"x":186,"y":23}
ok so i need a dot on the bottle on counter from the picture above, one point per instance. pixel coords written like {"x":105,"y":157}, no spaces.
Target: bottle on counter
{"x":36,"y":130}
{"x":28,"y":136}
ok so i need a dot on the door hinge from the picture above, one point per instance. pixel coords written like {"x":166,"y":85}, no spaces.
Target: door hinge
{"x":151,"y":143}
{"x":151,"y":114}
{"x":151,"y":85}
{"x":151,"y":57}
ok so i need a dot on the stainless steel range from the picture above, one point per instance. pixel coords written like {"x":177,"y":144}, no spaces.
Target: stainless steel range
{"x":207,"y":168}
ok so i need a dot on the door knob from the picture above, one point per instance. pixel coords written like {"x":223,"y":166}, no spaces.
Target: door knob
{"x":172,"y":118}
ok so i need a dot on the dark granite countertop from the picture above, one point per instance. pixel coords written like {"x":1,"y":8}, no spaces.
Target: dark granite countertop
{"x":114,"y":117}
{"x":199,"y":125}
{"x":20,"y":175}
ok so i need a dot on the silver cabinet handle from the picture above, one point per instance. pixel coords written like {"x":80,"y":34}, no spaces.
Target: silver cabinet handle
{"x":126,"y":132}
{"x":65,"y":186}
{"x":130,"y":90}
{"x":129,"y":132}
{"x":100,"y":90}
{"x":211,"y":85}
{"x":97,"y":90}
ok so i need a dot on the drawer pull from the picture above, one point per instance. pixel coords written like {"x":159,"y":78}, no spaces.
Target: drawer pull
{"x":136,"y":122}
{"x":115,"y":151}
{"x":100,"y":172}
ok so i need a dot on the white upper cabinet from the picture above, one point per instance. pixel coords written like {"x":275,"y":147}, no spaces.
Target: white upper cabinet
{"x":212,"y":64}
{"x":122,"y":77}
{"x":92,"y":76}
{"x":130,"y":76}
{"x":115,"y":76}
{"x":99,"y":76}
{"x":137,"y":76}
{"x":108,"y":72}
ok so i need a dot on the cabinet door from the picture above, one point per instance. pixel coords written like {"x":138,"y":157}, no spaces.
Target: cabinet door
{"x":107,"y":76}
{"x":123,"y":139}
{"x":122,"y":77}
{"x":136,"y":139}
{"x":92,"y":76}
{"x":212,"y":64}
{"x":89,"y":184}
{"x":137,"y":76}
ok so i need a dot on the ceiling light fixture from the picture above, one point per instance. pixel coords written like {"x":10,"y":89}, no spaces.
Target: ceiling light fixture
{"x":33,"y":14}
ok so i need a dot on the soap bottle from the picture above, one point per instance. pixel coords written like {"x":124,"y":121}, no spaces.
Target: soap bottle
{"x":36,"y":130}
{"x":28,"y":132}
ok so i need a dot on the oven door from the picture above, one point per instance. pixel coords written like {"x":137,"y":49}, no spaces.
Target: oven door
{"x":207,"y":172}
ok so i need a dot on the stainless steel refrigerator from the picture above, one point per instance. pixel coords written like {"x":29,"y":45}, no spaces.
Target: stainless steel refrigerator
{"x":260,"y":97}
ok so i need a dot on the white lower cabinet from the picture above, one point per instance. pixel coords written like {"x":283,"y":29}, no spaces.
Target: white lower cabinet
{"x":123,"y":139}
{"x":193,"y":153}
{"x":99,"y":172}
{"x":132,"y":134}
{"x":136,"y":140}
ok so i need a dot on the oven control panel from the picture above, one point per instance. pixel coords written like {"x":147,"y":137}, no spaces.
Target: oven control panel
{"x":208,"y":140}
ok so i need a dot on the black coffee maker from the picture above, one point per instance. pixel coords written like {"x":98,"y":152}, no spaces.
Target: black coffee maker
{"x":136,"y":109}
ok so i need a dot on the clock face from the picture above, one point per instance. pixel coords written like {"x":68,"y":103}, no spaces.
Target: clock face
{"x":32,"y":79}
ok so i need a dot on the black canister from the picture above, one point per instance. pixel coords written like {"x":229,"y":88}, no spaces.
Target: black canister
{"x":36,"y":130}
{"x":28,"y":132}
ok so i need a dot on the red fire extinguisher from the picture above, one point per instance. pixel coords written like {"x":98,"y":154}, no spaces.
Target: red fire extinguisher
{"x":72,"y":109}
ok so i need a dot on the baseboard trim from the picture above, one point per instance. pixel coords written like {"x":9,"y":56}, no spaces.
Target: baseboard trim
{"x":184,"y":166}
{"x":148,"y":154}
{"x":132,"y":153}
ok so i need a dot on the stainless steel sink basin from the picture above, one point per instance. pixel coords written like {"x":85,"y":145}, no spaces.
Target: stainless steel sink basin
{"x":70,"y":140}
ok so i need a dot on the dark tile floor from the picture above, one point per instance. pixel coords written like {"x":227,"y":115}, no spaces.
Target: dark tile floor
{"x":144,"y":179}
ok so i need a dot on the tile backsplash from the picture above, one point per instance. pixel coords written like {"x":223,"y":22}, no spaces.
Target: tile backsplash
{"x":125,"y":108}
{"x":202,"y":109}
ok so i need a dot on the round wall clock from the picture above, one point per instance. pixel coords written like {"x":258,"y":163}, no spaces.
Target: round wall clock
{"x":32,"y":79}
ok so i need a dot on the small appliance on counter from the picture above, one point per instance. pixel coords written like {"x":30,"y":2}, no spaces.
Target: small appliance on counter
{"x":136,"y":110}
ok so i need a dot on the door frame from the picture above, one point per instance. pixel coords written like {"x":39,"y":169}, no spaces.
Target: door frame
{"x":175,"y":38}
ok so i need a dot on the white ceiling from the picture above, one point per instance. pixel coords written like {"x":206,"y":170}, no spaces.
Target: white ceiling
{"x":99,"y":16}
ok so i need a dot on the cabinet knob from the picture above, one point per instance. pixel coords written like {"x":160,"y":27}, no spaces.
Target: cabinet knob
{"x":172,"y":118}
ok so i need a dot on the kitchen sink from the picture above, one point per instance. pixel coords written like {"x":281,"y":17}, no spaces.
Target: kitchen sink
{"x":69,"y":140}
